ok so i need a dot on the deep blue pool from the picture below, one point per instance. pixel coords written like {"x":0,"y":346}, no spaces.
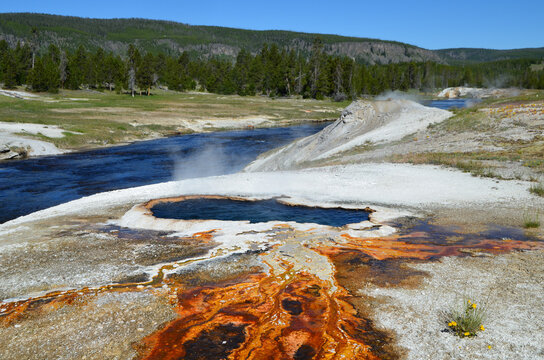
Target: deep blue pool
{"x":34,"y":184}
{"x":255,"y":212}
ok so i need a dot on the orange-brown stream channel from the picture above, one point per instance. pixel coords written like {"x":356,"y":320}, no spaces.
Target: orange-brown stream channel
{"x":280,"y":311}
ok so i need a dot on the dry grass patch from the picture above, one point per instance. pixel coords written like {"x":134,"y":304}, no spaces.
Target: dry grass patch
{"x":531,"y":220}
{"x":537,"y":189}
{"x":460,"y":161}
{"x":103,"y":118}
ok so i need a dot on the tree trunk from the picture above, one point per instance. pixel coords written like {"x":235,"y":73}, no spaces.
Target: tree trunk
{"x":288,"y":86}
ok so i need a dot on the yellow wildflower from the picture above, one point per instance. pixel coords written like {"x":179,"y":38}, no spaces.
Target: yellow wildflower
{"x":467,"y":333}
{"x":489,"y":346}
{"x":470,"y":302}
{"x":453,"y":323}
{"x":482,"y":327}
{"x":474,"y":306}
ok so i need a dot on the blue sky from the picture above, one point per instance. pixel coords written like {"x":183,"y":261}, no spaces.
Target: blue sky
{"x":438,"y":24}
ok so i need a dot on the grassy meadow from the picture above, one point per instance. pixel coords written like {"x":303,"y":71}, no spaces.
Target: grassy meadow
{"x":102,"y":118}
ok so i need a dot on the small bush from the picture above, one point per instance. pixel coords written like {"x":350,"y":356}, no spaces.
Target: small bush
{"x":466,"y":319}
{"x":537,"y":189}
{"x":531,"y":220}
{"x":532,"y":224}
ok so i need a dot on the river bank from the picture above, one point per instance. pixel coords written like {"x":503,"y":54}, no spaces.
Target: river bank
{"x":57,"y":179}
{"x":92,"y":119}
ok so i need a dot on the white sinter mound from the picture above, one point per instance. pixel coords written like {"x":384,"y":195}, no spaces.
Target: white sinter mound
{"x":476,"y":93}
{"x":361,"y":123}
{"x":12,"y":135}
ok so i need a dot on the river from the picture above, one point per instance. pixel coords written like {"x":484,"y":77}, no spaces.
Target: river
{"x":35,"y":184}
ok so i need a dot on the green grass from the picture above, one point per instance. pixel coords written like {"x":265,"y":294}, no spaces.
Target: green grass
{"x":524,"y":96}
{"x":466,"y":162}
{"x":537,"y":189}
{"x":105,"y":118}
{"x":531,"y":224}
{"x":466,"y":318}
{"x":530,"y":153}
{"x":465,"y":120}
{"x":531,"y":219}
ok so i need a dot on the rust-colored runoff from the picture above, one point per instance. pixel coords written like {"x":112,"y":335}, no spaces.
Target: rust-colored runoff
{"x":288,"y":316}
{"x":282,"y":313}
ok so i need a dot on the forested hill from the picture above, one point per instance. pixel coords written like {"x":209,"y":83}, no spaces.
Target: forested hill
{"x":173,"y":38}
{"x":467,"y":55}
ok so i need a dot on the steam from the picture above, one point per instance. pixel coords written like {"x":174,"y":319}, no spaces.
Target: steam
{"x":209,"y":161}
{"x":398,"y":95}
{"x":499,"y":82}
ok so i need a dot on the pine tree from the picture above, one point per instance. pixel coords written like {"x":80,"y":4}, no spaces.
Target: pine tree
{"x":45,"y":75}
{"x":144,"y":74}
{"x":34,"y":45}
{"x":10,"y":71}
{"x":4,"y":49}
{"x":97,"y":75}
{"x":78,"y":69}
{"x":113,"y":72}
{"x":316,"y":78}
{"x":23,"y":59}
{"x":241,"y":73}
{"x":63,"y":68}
{"x":134,"y":60}
{"x":289,"y":71}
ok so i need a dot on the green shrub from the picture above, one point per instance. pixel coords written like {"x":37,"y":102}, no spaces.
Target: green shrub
{"x":466,"y":319}
{"x":531,"y":220}
{"x":537,"y":189}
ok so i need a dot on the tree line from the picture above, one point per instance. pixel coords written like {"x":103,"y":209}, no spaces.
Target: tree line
{"x":272,"y":71}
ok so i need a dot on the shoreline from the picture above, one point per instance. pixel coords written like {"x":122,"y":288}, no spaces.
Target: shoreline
{"x":90,"y":147}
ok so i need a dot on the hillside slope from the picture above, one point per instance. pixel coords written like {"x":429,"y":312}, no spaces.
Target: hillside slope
{"x":467,"y":55}
{"x":171,"y":37}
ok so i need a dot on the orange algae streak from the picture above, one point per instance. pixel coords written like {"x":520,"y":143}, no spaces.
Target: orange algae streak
{"x":204,"y":236}
{"x":386,"y":248}
{"x":394,"y":247}
{"x":266,"y":317}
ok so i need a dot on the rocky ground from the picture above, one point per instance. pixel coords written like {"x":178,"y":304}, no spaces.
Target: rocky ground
{"x":500,"y":139}
{"x":509,"y":286}
{"x":361,"y":124}
{"x":104,"y":278}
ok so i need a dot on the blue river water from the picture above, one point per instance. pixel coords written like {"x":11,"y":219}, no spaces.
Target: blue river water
{"x":450,"y":103}
{"x":34,"y":184}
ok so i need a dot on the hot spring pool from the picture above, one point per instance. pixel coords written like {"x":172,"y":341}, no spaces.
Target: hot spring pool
{"x":255,"y":211}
